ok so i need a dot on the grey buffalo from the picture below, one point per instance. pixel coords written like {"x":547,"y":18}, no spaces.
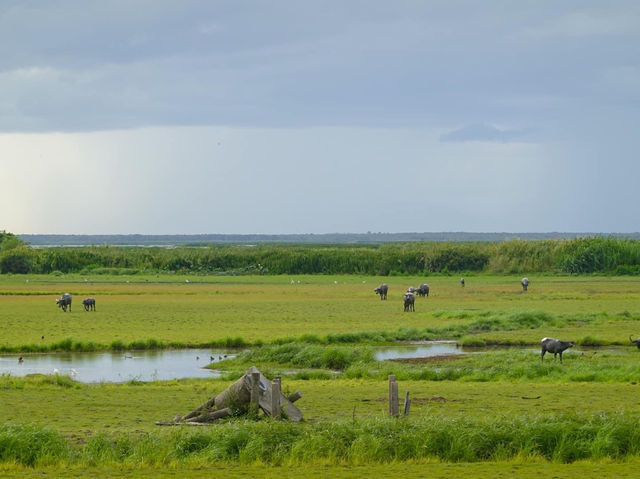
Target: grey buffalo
{"x":462,"y":282}
{"x":554,"y":346}
{"x":382,"y":291}
{"x":64,"y":302}
{"x":635,"y":341}
{"x":525,"y":283}
{"x":409,"y":302}
{"x":89,"y":304}
{"x":423,"y":290}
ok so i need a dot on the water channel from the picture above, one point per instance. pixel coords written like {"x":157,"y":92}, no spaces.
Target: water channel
{"x":179,"y":363}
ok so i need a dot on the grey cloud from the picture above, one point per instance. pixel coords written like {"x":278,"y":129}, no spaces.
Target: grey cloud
{"x":126,"y":64}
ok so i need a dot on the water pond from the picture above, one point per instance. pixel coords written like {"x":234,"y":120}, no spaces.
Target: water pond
{"x":424,"y":350}
{"x":117,"y":367}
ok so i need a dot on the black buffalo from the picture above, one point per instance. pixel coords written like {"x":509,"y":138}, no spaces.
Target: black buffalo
{"x":64,"y":302}
{"x":554,"y":346}
{"x":525,"y":283}
{"x":409,"y":302}
{"x":89,"y":304}
{"x":382,"y":291}
{"x":423,"y":290}
{"x":635,"y":341}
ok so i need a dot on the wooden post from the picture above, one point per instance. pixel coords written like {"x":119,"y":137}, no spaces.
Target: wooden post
{"x":393,"y":396}
{"x":276,"y":387}
{"x":407,"y":404}
{"x":255,"y":392}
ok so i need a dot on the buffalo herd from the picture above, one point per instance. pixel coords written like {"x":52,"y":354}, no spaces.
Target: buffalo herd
{"x":549,"y":345}
{"x":64,"y":302}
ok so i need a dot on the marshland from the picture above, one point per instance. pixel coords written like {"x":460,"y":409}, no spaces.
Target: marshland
{"x":309,"y":313}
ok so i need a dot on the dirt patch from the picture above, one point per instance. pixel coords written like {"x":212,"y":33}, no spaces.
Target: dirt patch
{"x":431,"y":359}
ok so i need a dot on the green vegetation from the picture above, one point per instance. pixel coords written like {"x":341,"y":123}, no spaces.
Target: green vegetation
{"x":563,"y":439}
{"x":582,"y":255}
{"x":149,"y":312}
{"x":495,"y":410}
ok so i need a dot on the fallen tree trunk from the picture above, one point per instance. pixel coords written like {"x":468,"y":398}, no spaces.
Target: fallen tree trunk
{"x":212,"y":415}
{"x":251,"y":390}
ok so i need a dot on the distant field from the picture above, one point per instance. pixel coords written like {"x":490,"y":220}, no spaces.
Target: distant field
{"x":193,"y":310}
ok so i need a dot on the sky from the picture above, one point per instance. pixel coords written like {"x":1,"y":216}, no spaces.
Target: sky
{"x":340,"y":116}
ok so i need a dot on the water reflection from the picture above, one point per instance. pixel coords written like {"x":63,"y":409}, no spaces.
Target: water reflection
{"x":436,"y":348}
{"x":118,"y":367}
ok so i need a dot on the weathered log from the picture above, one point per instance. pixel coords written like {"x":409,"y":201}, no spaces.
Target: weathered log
{"x":276,"y":413}
{"x":208,"y":405}
{"x":295,"y":396}
{"x":407,"y":404}
{"x":212,"y":415}
{"x":239,"y":397}
{"x":254,"y":405}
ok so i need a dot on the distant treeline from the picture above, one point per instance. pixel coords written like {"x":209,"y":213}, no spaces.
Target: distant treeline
{"x":580,"y":255}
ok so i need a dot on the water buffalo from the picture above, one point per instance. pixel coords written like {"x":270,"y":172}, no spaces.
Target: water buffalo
{"x":64,"y":302}
{"x":89,"y":304}
{"x":525,"y":283}
{"x":635,"y":341}
{"x":462,"y":282}
{"x":423,"y":290}
{"x":409,"y":302}
{"x":554,"y":346}
{"x":382,"y":291}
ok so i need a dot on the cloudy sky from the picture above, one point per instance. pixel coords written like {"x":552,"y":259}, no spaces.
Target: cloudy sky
{"x":249,"y":116}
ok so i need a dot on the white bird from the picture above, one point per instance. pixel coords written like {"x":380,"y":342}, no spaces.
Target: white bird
{"x":55,"y":371}
{"x":74,"y":373}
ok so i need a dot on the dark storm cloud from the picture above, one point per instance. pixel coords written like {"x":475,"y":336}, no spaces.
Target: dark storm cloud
{"x":77,"y":65}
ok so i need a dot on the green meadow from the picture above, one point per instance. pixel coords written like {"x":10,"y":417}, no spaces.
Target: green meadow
{"x":493,"y":410}
{"x":197,"y":310}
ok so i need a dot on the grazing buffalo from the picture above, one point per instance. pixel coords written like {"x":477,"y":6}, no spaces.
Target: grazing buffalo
{"x":635,"y":341}
{"x":554,"y":346}
{"x":409,"y":302}
{"x":89,"y":304}
{"x":525,"y":283}
{"x":411,"y":290}
{"x":64,"y":302}
{"x":462,"y":282}
{"x":382,"y":291}
{"x":423,"y":290}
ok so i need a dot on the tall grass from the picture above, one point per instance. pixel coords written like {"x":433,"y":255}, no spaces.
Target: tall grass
{"x":562,"y":439}
{"x":582,"y":255}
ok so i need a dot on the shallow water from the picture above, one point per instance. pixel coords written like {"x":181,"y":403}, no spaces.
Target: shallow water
{"x":436,"y":348}
{"x":118,"y":367}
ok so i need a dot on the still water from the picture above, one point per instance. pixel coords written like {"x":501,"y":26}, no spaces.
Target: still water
{"x":118,"y":367}
{"x":434,"y":348}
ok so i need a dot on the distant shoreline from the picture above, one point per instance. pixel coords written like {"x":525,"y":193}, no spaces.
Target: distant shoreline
{"x":51,"y":240}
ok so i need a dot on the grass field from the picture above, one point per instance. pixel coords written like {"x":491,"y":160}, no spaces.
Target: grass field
{"x":336,"y":320}
{"x":264,"y":308}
